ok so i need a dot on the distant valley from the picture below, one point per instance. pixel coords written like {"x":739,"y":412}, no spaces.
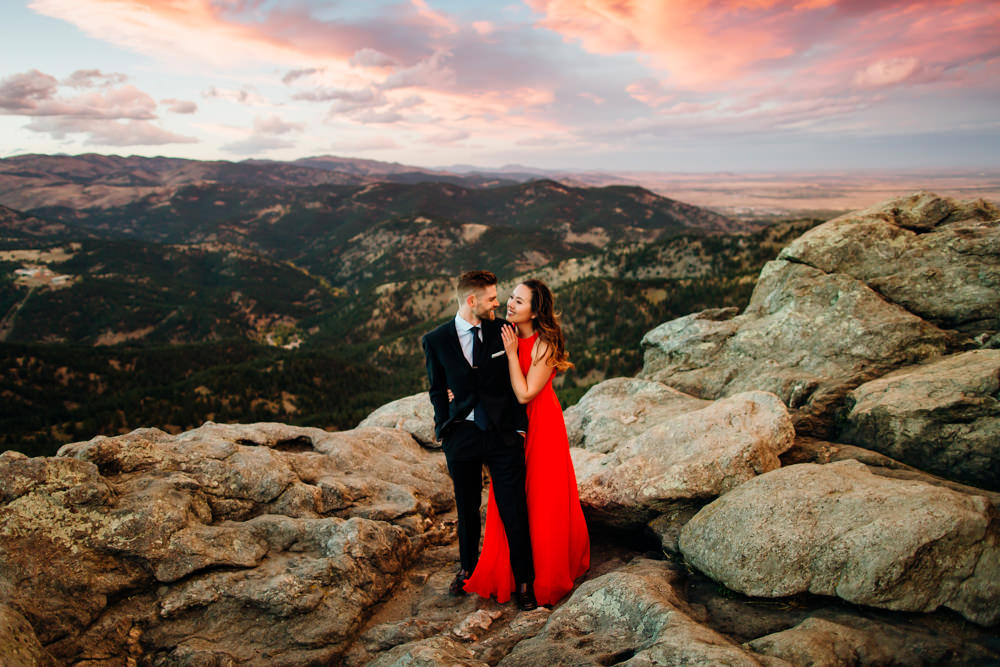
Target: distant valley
{"x":159,"y":292}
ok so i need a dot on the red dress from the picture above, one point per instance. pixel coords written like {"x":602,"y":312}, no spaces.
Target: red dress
{"x":560,"y":545}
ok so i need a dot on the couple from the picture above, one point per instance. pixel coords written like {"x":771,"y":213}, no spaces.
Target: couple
{"x":491,"y":387}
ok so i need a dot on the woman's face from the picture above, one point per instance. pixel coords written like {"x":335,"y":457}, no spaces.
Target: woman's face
{"x":519,"y":305}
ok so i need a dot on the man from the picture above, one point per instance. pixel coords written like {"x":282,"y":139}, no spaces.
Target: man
{"x":483,"y":424}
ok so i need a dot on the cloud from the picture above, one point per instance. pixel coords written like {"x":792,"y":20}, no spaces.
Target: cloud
{"x":246,"y":95}
{"x":22,"y":93}
{"x":732,"y":44}
{"x":650,"y":92}
{"x":347,"y":99}
{"x":367,"y":57}
{"x":275,"y":125}
{"x":298,"y":74}
{"x":180,"y":106}
{"x":447,"y":137}
{"x":887,"y":72}
{"x":365,"y":144}
{"x":106,"y":132}
{"x":256,"y":144}
{"x":266,"y":135}
{"x":34,"y":93}
{"x":108,"y":116}
{"x":433,"y":72}
{"x":92,"y":78}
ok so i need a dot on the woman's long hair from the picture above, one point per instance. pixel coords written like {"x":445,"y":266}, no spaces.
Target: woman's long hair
{"x":546,"y":323}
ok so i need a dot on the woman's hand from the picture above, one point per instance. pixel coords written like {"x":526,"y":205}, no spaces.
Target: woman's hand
{"x":509,"y":340}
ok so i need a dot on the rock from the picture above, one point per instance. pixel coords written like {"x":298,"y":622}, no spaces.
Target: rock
{"x":19,"y":646}
{"x":840,"y":530}
{"x":807,"y":336}
{"x":816,"y":641}
{"x":431,"y":652}
{"x":634,"y":614}
{"x":811,"y":450}
{"x":942,"y":416}
{"x":694,"y":456}
{"x":179,"y":548}
{"x":473,"y":626}
{"x":841,"y":639}
{"x":938,"y":258}
{"x":849,"y":301}
{"x":619,"y":409}
{"x":413,"y":414}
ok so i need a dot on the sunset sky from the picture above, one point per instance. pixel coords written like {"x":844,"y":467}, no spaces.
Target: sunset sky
{"x":701,"y":85}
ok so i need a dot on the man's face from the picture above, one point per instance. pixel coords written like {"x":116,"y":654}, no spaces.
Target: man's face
{"x":485,"y":302}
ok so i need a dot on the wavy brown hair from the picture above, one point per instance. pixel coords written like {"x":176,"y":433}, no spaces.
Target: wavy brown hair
{"x":546,"y":323}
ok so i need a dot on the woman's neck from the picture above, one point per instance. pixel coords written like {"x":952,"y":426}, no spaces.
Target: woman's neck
{"x":525,"y":329}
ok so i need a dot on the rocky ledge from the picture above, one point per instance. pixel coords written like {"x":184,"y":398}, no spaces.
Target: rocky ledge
{"x":813,"y":481}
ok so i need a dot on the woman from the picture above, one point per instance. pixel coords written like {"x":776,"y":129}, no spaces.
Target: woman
{"x":560,"y":544}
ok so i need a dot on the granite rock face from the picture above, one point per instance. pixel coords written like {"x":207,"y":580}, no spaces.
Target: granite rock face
{"x":179,"y":548}
{"x":839,"y":530}
{"x":692,"y":456}
{"x":414,"y":414}
{"x":942,"y":416}
{"x":635,"y":616}
{"x":849,"y":301}
{"x":938,"y":258}
{"x":619,"y":409}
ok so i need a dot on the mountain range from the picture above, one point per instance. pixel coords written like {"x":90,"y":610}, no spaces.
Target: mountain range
{"x":340,"y":262}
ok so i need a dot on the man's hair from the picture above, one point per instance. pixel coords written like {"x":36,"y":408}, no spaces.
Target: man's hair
{"x":471,"y":281}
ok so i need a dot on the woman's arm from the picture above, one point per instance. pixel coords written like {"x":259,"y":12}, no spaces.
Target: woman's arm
{"x":526,"y":388}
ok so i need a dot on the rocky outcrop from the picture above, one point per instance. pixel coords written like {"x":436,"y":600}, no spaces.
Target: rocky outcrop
{"x":619,"y":409}
{"x":634,"y":614}
{"x":413,"y":414}
{"x":942,"y":416}
{"x":691,"y":457}
{"x":937,"y":258}
{"x":843,"y":305}
{"x":178,"y":548}
{"x":839,"y":530}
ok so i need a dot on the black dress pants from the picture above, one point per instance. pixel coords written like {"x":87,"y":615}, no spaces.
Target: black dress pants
{"x":466,"y":449}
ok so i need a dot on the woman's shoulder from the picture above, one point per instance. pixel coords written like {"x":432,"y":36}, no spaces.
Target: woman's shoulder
{"x":540,"y":349}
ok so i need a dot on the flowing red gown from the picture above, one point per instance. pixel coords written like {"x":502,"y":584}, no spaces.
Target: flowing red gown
{"x":560,"y":544}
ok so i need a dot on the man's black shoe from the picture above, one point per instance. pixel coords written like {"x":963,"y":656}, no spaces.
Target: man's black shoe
{"x":457,"y":587}
{"x":524,"y":597}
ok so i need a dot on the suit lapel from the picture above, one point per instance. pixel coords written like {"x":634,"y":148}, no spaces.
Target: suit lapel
{"x":453,"y":343}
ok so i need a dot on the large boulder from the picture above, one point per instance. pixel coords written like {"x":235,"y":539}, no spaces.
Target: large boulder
{"x":693,"y":456}
{"x":849,"y":301}
{"x":617,"y":410}
{"x":414,"y":414}
{"x":634,"y":614}
{"x":806,"y":335}
{"x":835,"y":638}
{"x":938,"y":258}
{"x":840,"y":530}
{"x":942,"y":416}
{"x":180,"y":548}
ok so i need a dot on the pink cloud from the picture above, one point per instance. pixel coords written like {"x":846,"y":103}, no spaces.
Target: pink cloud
{"x":90,"y":78}
{"x":274,"y":125}
{"x":109,"y":116}
{"x":34,"y":93}
{"x":180,"y":106}
{"x":107,"y":132}
{"x":708,"y":44}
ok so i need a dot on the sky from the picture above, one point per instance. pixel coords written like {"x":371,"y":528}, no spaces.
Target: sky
{"x":616,"y":85}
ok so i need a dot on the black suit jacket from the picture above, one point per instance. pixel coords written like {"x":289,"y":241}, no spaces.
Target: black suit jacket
{"x":448,"y":369}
